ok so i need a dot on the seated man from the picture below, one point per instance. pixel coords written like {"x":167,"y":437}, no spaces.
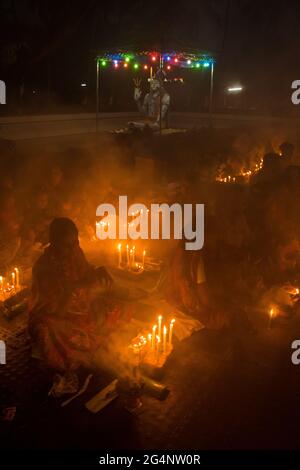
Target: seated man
{"x":62,"y":324}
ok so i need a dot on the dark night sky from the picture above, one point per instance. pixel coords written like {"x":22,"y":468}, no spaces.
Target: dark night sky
{"x":256,"y":42}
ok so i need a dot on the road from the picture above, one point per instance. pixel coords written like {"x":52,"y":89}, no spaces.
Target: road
{"x":29,"y":127}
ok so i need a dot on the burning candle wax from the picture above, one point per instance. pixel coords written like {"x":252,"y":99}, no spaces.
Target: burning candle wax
{"x":159,"y":326}
{"x":150,"y":341}
{"x":165,"y":339}
{"x":153,"y":336}
{"x":143,"y":262}
{"x":271,"y":314}
{"x":171,"y":331}
{"x":13,"y":279}
{"x":120,"y":255}
{"x":17,"y":277}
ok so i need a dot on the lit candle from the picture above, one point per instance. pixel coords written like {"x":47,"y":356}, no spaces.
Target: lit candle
{"x":13,"y":279}
{"x":270,"y":317}
{"x":144,"y":254}
{"x":17,"y":277}
{"x":127,"y":255}
{"x":165,"y":339}
{"x":130,"y":258}
{"x":133,"y":254}
{"x":120,"y":255}
{"x":153,"y":336}
{"x":159,"y":326}
{"x":1,"y":283}
{"x":150,"y":341}
{"x":171,"y":331}
{"x":157,"y":343}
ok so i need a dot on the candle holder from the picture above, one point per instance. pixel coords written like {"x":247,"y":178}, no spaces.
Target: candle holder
{"x":150,"y":351}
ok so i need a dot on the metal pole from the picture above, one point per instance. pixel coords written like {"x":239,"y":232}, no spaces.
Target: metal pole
{"x":161,"y":78}
{"x":211,"y":91}
{"x":97,"y":96}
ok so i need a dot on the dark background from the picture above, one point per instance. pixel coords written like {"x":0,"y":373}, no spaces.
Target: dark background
{"x":47,"y":49}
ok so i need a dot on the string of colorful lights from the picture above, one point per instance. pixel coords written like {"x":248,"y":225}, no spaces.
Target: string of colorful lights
{"x":146,"y":60}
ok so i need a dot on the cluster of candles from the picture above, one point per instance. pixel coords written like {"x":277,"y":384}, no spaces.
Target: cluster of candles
{"x":9,"y":285}
{"x":244,"y":173}
{"x":156,"y":343}
{"x":130,"y":262}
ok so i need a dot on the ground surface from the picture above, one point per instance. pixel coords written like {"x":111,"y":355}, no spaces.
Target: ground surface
{"x":226,"y":391}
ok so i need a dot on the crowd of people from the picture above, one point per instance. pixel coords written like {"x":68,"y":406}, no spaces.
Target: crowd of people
{"x":252,"y":234}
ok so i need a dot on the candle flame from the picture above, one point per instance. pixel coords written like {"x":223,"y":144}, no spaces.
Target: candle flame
{"x":271,"y":312}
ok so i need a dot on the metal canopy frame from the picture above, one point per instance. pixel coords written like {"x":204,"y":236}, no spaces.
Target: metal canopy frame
{"x":148,"y":60}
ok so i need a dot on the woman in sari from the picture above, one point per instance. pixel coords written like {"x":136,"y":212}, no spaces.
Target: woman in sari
{"x":62,"y":322}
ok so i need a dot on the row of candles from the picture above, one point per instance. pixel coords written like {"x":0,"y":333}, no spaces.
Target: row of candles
{"x":244,"y":173}
{"x":9,"y":285}
{"x":159,"y":341}
{"x":162,"y":338}
{"x":131,"y":255}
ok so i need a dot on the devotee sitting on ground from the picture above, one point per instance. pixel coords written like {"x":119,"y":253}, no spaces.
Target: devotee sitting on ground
{"x":287,"y":153}
{"x":282,"y":204}
{"x":62,"y":321}
{"x":57,"y":189}
{"x":185,"y":286}
{"x":9,"y":230}
{"x":39,"y":215}
{"x":281,"y":262}
{"x":271,"y":170}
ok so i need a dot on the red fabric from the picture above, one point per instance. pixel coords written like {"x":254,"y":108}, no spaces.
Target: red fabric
{"x":62,"y":324}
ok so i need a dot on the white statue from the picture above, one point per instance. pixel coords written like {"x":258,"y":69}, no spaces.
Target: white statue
{"x":155,"y":104}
